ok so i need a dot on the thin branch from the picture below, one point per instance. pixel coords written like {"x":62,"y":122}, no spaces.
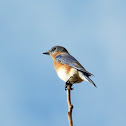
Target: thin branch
{"x":70,"y":106}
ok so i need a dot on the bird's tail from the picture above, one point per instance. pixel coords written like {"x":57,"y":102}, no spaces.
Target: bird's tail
{"x":88,"y":79}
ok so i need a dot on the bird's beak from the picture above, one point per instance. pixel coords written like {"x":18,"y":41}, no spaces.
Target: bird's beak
{"x":47,"y":53}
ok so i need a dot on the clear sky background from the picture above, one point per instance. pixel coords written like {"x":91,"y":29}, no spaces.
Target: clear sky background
{"x":93,"y":31}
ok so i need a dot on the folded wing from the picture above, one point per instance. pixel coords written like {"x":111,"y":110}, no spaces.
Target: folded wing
{"x":71,"y":61}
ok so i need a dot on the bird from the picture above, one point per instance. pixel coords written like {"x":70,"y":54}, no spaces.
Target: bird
{"x":67,"y":67}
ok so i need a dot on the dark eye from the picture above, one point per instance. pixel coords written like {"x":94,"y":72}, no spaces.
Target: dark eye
{"x":53,"y":49}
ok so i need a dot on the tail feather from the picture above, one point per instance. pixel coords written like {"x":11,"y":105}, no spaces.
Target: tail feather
{"x":88,"y":79}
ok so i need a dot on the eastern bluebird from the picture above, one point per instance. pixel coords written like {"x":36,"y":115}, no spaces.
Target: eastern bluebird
{"x":67,"y":67}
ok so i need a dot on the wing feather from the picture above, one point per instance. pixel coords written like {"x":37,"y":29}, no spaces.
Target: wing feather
{"x":71,"y":61}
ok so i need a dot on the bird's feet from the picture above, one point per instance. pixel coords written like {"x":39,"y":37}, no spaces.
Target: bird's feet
{"x":70,"y":84}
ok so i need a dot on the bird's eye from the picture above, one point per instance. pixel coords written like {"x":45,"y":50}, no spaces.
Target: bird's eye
{"x":53,"y":49}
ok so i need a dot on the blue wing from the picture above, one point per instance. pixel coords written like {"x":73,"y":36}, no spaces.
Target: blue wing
{"x":71,"y":61}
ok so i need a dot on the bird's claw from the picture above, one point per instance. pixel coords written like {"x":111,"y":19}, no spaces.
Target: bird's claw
{"x":68,"y":83}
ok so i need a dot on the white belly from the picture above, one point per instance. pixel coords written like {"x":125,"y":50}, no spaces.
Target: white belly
{"x":63,"y":75}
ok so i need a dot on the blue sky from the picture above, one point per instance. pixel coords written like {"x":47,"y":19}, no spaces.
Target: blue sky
{"x":94,"y":33}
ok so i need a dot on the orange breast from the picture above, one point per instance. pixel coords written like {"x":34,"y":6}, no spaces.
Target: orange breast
{"x":58,"y":65}
{"x":65,"y":72}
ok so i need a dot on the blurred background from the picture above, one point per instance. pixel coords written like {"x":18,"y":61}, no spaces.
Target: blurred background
{"x":93,"y":31}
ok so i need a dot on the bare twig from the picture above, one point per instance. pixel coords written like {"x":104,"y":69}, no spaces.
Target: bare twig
{"x":70,"y":106}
